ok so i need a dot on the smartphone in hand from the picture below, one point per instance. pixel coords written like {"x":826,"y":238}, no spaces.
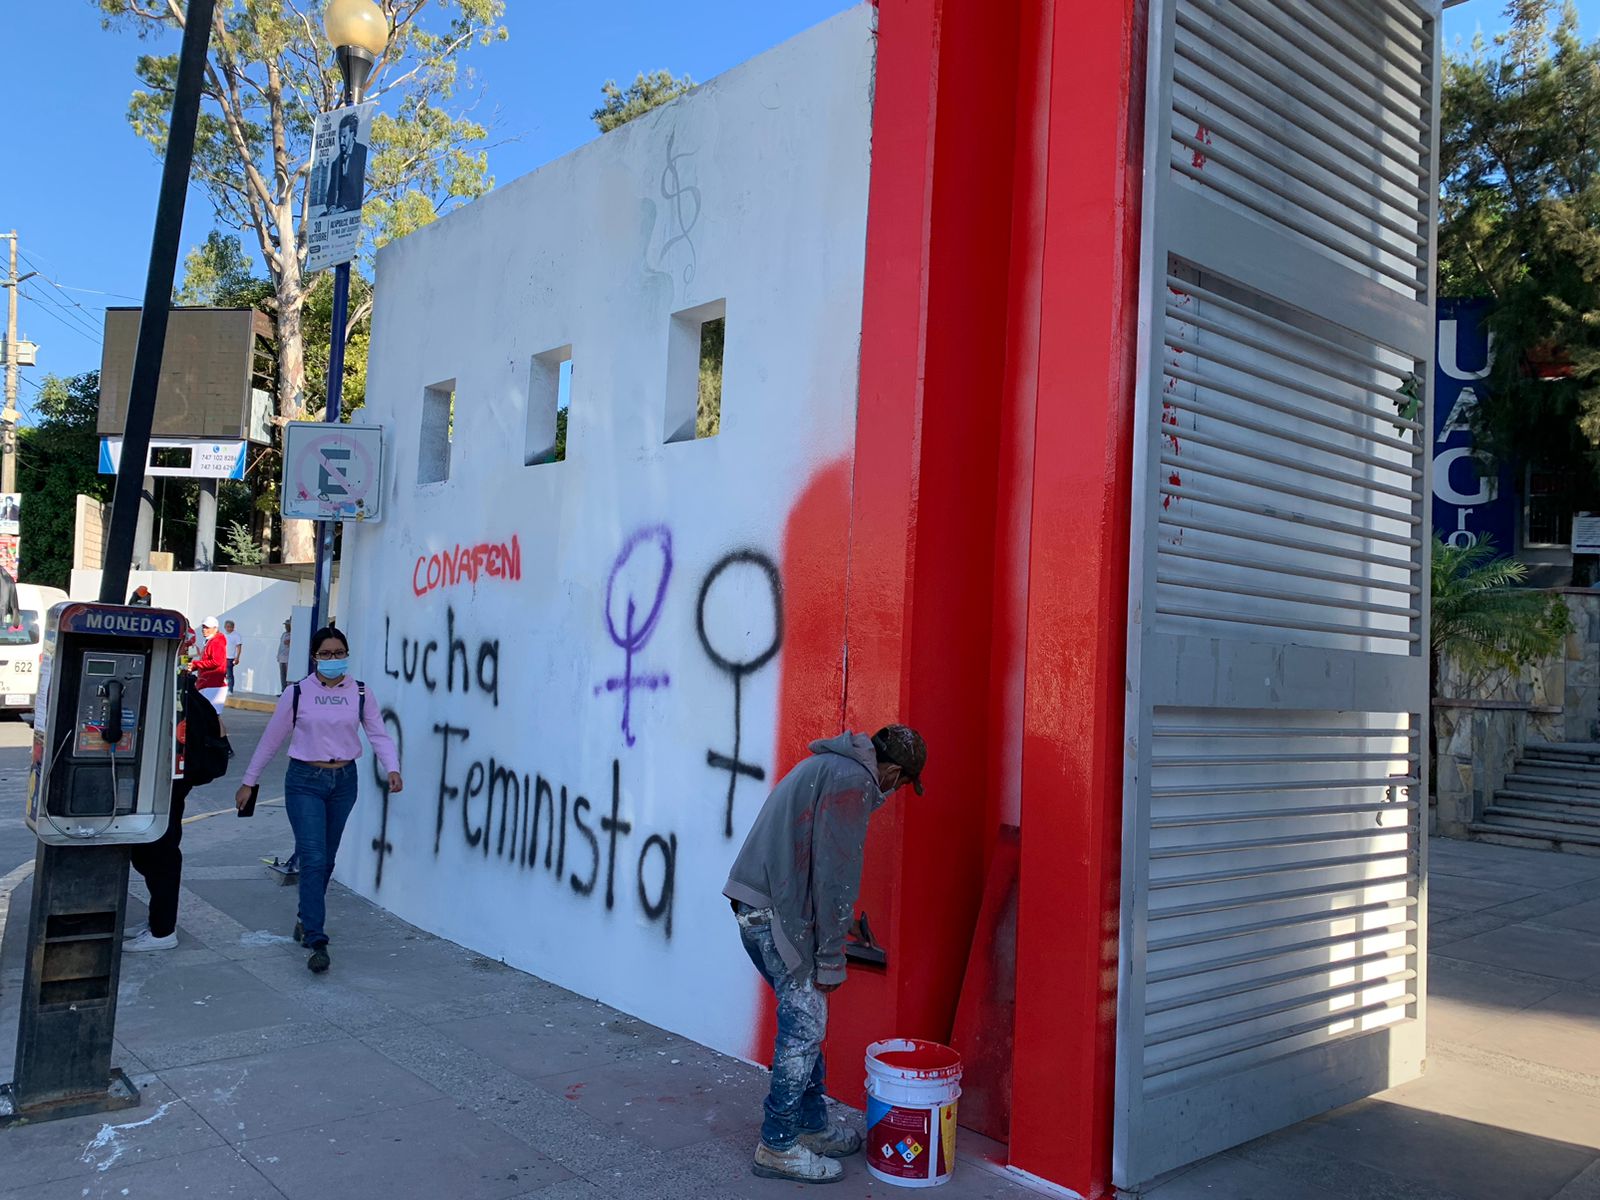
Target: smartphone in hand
{"x":249,"y":809}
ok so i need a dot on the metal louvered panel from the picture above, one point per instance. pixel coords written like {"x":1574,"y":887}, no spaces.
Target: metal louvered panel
{"x":1273,"y":957}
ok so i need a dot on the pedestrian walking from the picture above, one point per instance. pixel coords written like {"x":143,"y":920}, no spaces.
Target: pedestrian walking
{"x":235,"y":652}
{"x":204,"y":752}
{"x":211,"y":667}
{"x":283,"y":658}
{"x":793,"y":890}
{"x":321,"y":717}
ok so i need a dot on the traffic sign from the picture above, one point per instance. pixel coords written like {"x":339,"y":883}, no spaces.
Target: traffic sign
{"x":332,"y":472}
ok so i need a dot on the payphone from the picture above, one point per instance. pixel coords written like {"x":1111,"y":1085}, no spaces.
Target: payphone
{"x":103,"y":747}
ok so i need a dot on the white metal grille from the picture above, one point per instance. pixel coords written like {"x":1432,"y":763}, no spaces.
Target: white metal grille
{"x":1281,"y":885}
{"x":1290,"y":475}
{"x":1316,"y":118}
{"x":1273,"y":956}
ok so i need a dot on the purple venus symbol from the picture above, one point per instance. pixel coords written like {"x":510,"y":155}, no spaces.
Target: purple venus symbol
{"x":636,"y":632}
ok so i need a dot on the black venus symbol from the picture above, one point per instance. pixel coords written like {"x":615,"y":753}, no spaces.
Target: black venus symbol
{"x":737,"y":669}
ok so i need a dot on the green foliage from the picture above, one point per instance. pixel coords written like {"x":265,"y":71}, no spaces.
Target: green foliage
{"x":218,"y":274}
{"x":57,"y":459}
{"x":708,"y":406}
{"x":643,"y":94}
{"x":239,"y":546}
{"x":1520,"y":223}
{"x":1482,"y":619}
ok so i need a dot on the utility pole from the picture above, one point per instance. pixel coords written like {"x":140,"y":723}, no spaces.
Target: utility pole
{"x":8,"y":418}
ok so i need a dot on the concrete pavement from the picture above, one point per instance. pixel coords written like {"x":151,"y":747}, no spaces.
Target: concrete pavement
{"x":417,"y":1068}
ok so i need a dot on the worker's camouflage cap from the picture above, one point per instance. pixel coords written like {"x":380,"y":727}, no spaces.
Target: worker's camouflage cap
{"x":905,"y":748}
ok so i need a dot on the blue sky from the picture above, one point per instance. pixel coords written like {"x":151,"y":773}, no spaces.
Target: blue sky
{"x":88,"y":229}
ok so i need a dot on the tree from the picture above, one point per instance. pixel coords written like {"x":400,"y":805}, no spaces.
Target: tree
{"x":268,"y":72}
{"x":218,"y":274}
{"x":643,"y":94}
{"x":1520,"y":223}
{"x":57,"y":460}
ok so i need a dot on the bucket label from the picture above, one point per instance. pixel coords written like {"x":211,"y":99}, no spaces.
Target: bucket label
{"x":904,"y":1143}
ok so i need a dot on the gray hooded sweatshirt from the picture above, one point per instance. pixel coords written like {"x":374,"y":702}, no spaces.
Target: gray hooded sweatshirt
{"x":803,"y":856}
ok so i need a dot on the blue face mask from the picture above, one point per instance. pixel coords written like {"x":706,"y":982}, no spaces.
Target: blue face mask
{"x":333,"y":668}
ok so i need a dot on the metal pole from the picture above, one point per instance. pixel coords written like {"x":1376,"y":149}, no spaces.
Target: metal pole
{"x":356,"y":68}
{"x":205,"y":527}
{"x":164,"y":245}
{"x":63,"y":1062}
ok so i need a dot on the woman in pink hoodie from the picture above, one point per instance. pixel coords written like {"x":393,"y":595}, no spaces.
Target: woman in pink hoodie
{"x":321,"y":717}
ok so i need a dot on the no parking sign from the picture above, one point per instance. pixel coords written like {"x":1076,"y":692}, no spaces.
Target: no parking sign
{"x":332,"y":472}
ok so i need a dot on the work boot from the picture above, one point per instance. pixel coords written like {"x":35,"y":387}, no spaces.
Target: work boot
{"x":300,"y":934}
{"x":319,"y":960}
{"x":835,"y":1141}
{"x":149,"y":941}
{"x":799,"y":1163}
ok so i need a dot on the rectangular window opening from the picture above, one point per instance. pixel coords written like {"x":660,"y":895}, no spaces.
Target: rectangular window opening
{"x":549,"y":401}
{"x":437,"y":432}
{"x":694,"y":372}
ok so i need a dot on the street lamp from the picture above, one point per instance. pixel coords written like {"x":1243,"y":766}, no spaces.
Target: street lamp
{"x":359,"y":33}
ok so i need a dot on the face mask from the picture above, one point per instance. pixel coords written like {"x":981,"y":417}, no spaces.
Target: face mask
{"x":333,"y":668}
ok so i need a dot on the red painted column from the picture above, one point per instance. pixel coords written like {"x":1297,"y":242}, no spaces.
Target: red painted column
{"x":1083,"y":235}
{"x":926,"y":469}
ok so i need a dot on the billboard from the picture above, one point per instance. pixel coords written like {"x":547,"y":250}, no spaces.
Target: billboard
{"x":1473,"y":497}
{"x":207,"y":373}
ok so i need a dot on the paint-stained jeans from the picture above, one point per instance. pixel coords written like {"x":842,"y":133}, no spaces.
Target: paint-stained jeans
{"x":318,"y":800}
{"x":794,"y":1105}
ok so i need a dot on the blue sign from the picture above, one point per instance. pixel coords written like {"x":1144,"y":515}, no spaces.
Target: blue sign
{"x":122,"y":622}
{"x":1473,"y":498}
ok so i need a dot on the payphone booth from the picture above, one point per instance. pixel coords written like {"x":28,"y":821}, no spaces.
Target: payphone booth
{"x":100,"y":782}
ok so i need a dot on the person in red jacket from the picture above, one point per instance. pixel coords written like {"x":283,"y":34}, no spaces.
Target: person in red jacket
{"x":211,"y":668}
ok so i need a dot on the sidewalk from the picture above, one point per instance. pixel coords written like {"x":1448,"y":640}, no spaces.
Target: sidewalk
{"x":414,"y":1068}
{"x":418,"y":1069}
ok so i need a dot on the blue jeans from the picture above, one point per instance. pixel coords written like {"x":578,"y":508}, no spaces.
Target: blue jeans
{"x":318,"y":800}
{"x":794,"y":1104}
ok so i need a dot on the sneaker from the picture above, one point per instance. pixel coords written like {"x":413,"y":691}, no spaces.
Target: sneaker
{"x":133,"y":931}
{"x":319,"y":960}
{"x":836,"y":1141}
{"x":799,"y":1164}
{"x":149,"y":941}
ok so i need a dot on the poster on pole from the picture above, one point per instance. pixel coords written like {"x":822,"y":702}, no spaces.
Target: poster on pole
{"x":332,"y":471}
{"x":338,"y":184}
{"x":10,"y":531}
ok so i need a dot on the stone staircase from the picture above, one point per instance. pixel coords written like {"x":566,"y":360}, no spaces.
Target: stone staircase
{"x":1551,"y":801}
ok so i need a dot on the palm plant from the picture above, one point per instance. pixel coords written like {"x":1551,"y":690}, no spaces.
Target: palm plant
{"x":1482,"y":619}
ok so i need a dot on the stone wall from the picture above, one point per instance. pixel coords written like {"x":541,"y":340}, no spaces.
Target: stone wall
{"x":1482,"y":721}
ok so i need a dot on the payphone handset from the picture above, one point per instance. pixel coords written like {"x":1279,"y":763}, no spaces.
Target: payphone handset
{"x":103,"y":725}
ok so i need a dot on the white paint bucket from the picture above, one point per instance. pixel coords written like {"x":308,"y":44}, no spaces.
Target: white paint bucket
{"x":912,"y":1089}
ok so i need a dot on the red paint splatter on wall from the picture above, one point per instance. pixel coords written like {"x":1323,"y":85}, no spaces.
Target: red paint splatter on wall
{"x":816,"y":550}
{"x":1201,"y":134}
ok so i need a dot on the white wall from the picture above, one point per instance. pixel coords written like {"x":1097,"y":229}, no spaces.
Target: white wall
{"x":256,"y":605}
{"x":751,"y":190}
